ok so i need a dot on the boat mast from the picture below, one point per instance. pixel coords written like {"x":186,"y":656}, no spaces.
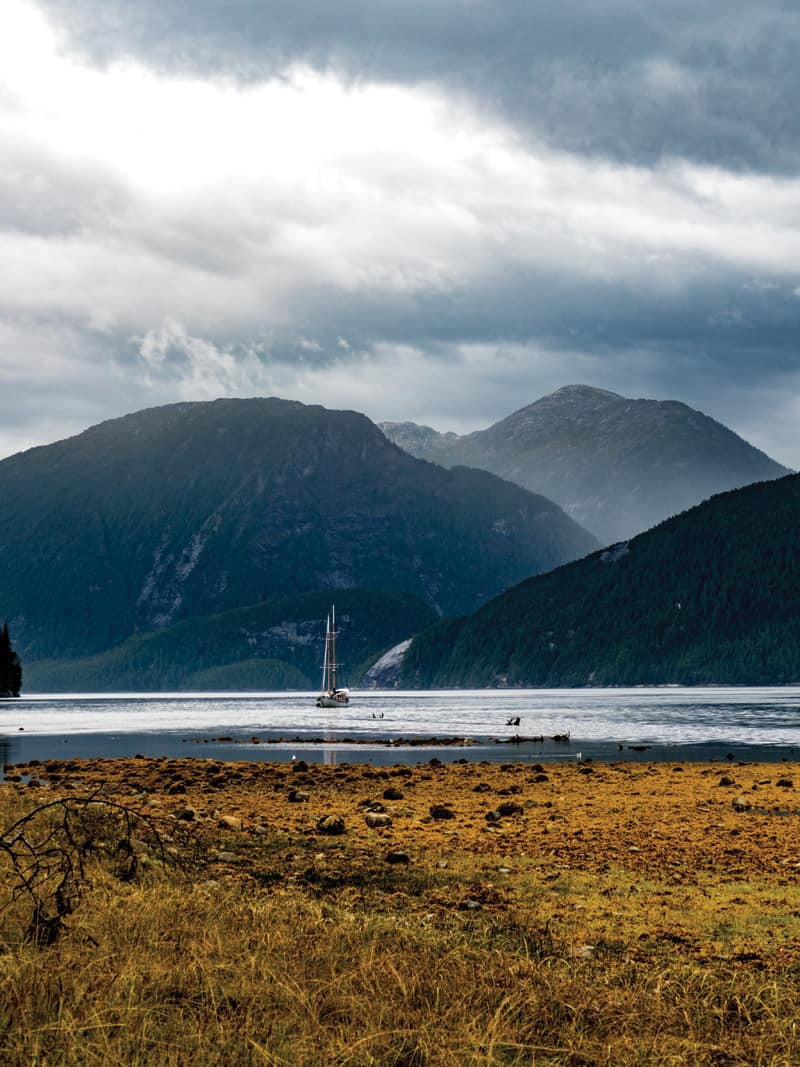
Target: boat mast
{"x":325,"y":661}
{"x":333,"y":647}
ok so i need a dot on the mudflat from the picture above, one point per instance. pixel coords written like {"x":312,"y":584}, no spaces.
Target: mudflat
{"x":658,"y":904}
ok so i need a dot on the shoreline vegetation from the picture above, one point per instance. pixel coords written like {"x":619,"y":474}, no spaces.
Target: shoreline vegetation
{"x":407,"y":916}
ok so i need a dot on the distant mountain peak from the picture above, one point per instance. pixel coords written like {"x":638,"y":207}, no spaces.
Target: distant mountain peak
{"x":617,"y":465}
{"x":567,"y":392}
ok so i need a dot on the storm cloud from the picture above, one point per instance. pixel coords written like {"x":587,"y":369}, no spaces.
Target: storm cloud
{"x":434,"y":211}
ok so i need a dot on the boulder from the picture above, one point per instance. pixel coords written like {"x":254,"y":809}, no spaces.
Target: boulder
{"x":397,"y":856}
{"x":230,"y":822}
{"x":331,"y":824}
{"x":375,"y":819}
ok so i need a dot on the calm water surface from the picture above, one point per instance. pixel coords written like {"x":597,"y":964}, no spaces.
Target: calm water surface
{"x":663,"y":723}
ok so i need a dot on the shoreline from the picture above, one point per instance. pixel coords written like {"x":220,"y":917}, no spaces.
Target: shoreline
{"x":247,"y":747}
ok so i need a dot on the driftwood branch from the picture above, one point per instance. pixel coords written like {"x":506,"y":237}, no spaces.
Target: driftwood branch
{"x":48,"y":847}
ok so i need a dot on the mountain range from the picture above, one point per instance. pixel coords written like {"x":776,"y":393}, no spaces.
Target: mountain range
{"x":199,"y":509}
{"x":616,"y":465}
{"x":711,"y":596}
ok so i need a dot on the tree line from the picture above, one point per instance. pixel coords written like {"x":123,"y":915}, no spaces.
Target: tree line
{"x":10,"y":666}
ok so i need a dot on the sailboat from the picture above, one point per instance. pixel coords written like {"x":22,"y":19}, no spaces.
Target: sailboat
{"x":331,"y":696}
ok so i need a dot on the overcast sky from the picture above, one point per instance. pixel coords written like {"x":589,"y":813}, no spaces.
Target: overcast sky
{"x":436,"y":210}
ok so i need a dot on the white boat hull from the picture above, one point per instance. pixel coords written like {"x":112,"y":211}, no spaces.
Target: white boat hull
{"x":332,"y":700}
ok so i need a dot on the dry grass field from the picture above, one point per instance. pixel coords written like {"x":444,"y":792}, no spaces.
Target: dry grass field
{"x":461,"y":914}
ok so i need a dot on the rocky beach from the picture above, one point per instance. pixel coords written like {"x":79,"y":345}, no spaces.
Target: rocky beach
{"x":459,"y":913}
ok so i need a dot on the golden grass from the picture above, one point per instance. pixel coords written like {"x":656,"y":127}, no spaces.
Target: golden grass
{"x":507,"y":946}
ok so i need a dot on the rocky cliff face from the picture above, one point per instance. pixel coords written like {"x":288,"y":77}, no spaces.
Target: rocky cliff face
{"x":616,"y":465}
{"x":189,"y":509}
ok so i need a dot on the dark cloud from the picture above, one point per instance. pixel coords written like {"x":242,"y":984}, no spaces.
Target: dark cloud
{"x":715,"y":82}
{"x":505,"y":222}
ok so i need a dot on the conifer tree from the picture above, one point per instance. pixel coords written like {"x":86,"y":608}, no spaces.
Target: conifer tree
{"x":10,"y":666}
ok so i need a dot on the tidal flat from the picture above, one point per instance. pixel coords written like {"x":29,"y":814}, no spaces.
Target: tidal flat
{"x":459,"y":913}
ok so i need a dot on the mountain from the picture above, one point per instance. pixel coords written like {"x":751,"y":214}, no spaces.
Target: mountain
{"x":274,"y":645}
{"x":202,"y":508}
{"x":711,"y":596}
{"x":616,"y":465}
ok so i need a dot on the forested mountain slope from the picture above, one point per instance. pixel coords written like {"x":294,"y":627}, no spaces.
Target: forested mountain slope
{"x":274,"y":645}
{"x":200,"y":508}
{"x":710,"y":596}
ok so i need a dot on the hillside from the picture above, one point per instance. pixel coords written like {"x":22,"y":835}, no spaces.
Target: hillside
{"x":617,"y":466}
{"x":201,"y":508}
{"x":274,"y":645}
{"x":710,"y":596}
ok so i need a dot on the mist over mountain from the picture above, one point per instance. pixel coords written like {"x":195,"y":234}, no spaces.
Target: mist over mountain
{"x":199,"y":508}
{"x":616,"y":465}
{"x":711,"y":596}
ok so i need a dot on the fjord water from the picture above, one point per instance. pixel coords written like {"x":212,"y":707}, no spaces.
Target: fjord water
{"x":659,"y":723}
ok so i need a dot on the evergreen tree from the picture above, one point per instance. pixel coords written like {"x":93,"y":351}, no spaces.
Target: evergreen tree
{"x":10,"y":666}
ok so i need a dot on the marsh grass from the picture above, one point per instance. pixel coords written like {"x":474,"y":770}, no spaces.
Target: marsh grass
{"x":303,"y":951}
{"x":180,"y":972}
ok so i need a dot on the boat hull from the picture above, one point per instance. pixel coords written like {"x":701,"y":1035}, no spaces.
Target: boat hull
{"x":332,"y":700}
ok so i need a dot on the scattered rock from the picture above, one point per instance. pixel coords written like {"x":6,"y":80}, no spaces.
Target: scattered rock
{"x":726,"y":780}
{"x":185,"y":814}
{"x":298,"y":796}
{"x":300,"y":765}
{"x":785,"y":783}
{"x":397,"y":856}
{"x":582,"y":952}
{"x":331,"y":824}
{"x":482,"y":787}
{"x":441,"y":811}
{"x":492,"y":816}
{"x":509,"y":807}
{"x":393,"y":793}
{"x":226,"y":857}
{"x":469,"y":905}
{"x":175,"y":788}
{"x":230,"y":822}
{"x":741,"y":804}
{"x":375,"y":819}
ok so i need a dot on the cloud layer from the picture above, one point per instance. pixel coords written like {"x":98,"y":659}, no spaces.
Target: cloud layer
{"x":435,"y":211}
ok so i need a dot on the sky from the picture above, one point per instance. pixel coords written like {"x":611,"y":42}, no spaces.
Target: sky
{"x":436,"y":211}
